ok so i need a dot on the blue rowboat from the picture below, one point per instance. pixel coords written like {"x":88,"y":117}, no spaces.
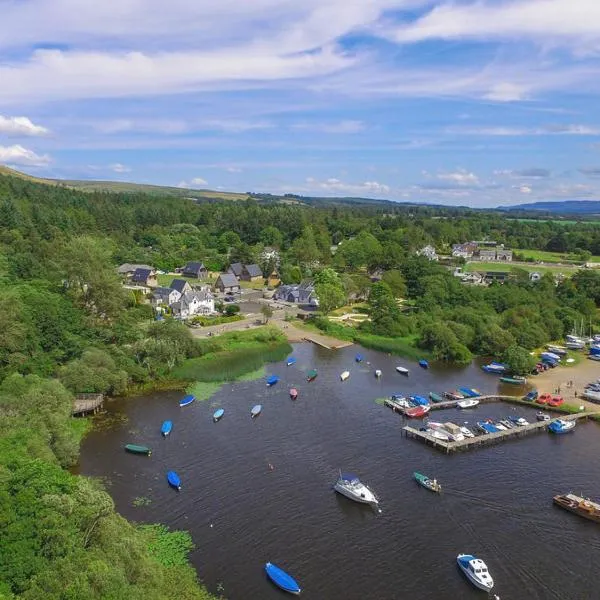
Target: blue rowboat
{"x":218,"y":414}
{"x":468,"y":392}
{"x":187,"y":400}
{"x":420,"y":400}
{"x":435,"y":397}
{"x":359,"y":358}
{"x":291,"y":361}
{"x":166,"y":428}
{"x":272,"y":380}
{"x":174,"y":480}
{"x":424,"y":364}
{"x":282,"y":579}
{"x":255,"y":410}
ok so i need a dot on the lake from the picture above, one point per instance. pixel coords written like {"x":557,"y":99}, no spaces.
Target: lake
{"x":496,"y":503}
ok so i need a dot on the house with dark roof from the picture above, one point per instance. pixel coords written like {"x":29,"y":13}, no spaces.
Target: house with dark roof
{"x":128,"y":269}
{"x":196,"y":270}
{"x":252,"y":273}
{"x":181,"y":285}
{"x":163,"y":296}
{"x":145,"y":277}
{"x":227,"y":282}
{"x":194,"y":303}
{"x":236,"y":269}
{"x":303,"y":293}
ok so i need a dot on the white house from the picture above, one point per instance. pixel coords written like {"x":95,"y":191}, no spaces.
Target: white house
{"x":194,"y":303}
{"x":428,"y":252}
{"x":163,"y":296}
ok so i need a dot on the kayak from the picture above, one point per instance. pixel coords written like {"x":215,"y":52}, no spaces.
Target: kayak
{"x":166,"y":428}
{"x":514,"y":380}
{"x":174,"y":480}
{"x":218,"y":414}
{"x":426,"y":482}
{"x":187,"y":400}
{"x":282,"y":579}
{"x":255,"y":410}
{"x":272,"y":380}
{"x":135,"y":449}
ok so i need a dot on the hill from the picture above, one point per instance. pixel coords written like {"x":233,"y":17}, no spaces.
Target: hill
{"x":566,"y":207}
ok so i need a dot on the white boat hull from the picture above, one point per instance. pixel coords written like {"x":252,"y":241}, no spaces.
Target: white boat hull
{"x":486,"y":585}
{"x":345,"y":375}
{"x":467,"y":403}
{"x":402,"y":370}
{"x":367,"y":498}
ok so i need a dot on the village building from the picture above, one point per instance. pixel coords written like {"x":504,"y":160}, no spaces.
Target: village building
{"x":196,"y":270}
{"x":181,"y":285}
{"x":252,"y":273}
{"x":485,"y":254}
{"x":302,"y":294}
{"x":144,"y":277}
{"x":194,"y":303}
{"x":464,"y":250}
{"x":163,"y":296}
{"x":227,"y":283}
{"x":128,"y":269}
{"x":236,"y":269}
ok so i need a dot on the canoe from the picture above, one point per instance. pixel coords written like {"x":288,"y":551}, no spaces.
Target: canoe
{"x":514,"y":380}
{"x":166,"y":428}
{"x":291,"y":361}
{"x":311,"y":375}
{"x":218,"y":414}
{"x":378,"y":371}
{"x":402,"y":370}
{"x":426,"y":482}
{"x":435,"y":397}
{"x":293,"y":393}
{"x":345,"y":375}
{"x":187,"y":400}
{"x":359,"y":358}
{"x":424,"y":364}
{"x":174,"y":480}
{"x":255,"y":410}
{"x":272,"y":380}
{"x":282,"y":579}
{"x":135,"y":449}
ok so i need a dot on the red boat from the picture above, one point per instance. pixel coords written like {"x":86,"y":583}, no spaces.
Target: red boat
{"x":544,"y":399}
{"x":555,"y":401}
{"x":417,"y":412}
{"x":293,"y":393}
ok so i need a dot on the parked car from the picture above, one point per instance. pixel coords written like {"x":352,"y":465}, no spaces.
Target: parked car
{"x":544,"y":399}
{"x":555,"y":401}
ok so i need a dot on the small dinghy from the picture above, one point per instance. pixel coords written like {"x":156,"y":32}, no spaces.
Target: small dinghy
{"x":291,"y":361}
{"x":417,"y":412}
{"x":359,"y":358}
{"x":435,"y":397}
{"x":476,"y":571}
{"x":424,"y":364}
{"x":542,"y":416}
{"x":426,"y":482}
{"x":402,"y":370}
{"x":135,"y":449}
{"x":378,"y":373}
{"x":272,"y":380}
{"x":470,"y":403}
{"x":345,"y":375}
{"x":174,"y":480}
{"x":187,"y":400}
{"x":256,"y":410}
{"x":293,"y":393}
{"x":514,"y":380}
{"x":282,"y":579}
{"x":166,"y":428}
{"x":519,"y":421}
{"x":311,"y":375}
{"x":218,"y":414}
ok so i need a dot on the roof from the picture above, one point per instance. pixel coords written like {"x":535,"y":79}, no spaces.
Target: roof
{"x":228,"y":280}
{"x":236,"y":268}
{"x":253,"y":270}
{"x":141,"y":275}
{"x":163,"y":291}
{"x":129,"y":267}
{"x":194,"y":267}
{"x":179,"y":285}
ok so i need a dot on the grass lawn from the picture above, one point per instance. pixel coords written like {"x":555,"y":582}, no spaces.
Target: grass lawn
{"x":552,"y":257}
{"x":502,"y":267}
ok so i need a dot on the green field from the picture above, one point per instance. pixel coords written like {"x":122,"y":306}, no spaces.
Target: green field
{"x":552,"y":257}
{"x":560,"y":221}
{"x":500,"y":267}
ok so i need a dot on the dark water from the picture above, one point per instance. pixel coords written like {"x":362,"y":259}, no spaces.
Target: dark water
{"x":496,"y":502}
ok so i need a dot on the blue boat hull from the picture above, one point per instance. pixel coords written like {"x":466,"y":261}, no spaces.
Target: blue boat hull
{"x":218,"y":414}
{"x":291,"y":361}
{"x":166,"y":428}
{"x":187,"y":400}
{"x":424,"y":364}
{"x":272,"y":380}
{"x":174,"y":480}
{"x":282,"y":579}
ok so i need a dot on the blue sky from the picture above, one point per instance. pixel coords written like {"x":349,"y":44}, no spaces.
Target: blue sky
{"x":481,"y":103}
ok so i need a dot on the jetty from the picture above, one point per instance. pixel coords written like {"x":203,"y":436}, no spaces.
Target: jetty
{"x":391,"y":403}
{"x":295,"y":334}
{"x":84,"y":404}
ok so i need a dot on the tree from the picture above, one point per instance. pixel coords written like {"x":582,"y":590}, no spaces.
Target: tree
{"x":267,"y":312}
{"x":396,"y":281}
{"x":329,"y":290}
{"x":383,"y":309}
{"x":443,"y":343}
{"x":232,"y":309}
{"x":305,"y":249}
{"x":519,"y":360}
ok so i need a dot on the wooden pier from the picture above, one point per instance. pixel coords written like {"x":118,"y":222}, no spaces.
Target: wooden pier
{"x":488,"y":439}
{"x":85,"y":404}
{"x":390,"y":403}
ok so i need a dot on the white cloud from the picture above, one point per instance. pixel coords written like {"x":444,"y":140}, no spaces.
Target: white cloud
{"x":460,"y":177}
{"x":333,"y":185}
{"x":503,"y":131}
{"x":233,"y":169}
{"x":126,"y":125}
{"x":533,"y":173}
{"x":119,"y":168}
{"x":20,"y":126}
{"x":195,"y":182}
{"x":235,"y":125}
{"x":18,"y":155}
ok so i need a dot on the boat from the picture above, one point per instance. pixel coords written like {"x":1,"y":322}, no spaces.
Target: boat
{"x":349,"y":485}
{"x":187,"y":400}
{"x":419,"y":400}
{"x":311,"y":375}
{"x":345,"y":375}
{"x":424,"y":364}
{"x":560,"y":426}
{"x":495,"y":368}
{"x":435,"y":397}
{"x":468,"y":392}
{"x":506,"y":424}
{"x":426,"y":482}
{"x":555,"y":401}
{"x":476,"y":571}
{"x":540,"y":416}
{"x":559,"y":350}
{"x":174,"y":480}
{"x":469,"y":403}
{"x":543,"y":399}
{"x":550,"y":356}
{"x":453,"y":431}
{"x":359,"y":358}
{"x":417,"y":412}
{"x":580,"y":506}
{"x":594,"y":356}
{"x":454,"y":395}
{"x":530,"y":396}
{"x":272,"y":380}
{"x":256,"y":410}
{"x":476,"y":392}
{"x":378,"y":373}
{"x":166,"y":427}
{"x":437,"y":434}
{"x":466,"y":432}
{"x":136,"y":449}
{"x":501,"y":427}
{"x":519,"y":421}
{"x":575,"y":345}
{"x":291,"y":361}
{"x":398,"y":403}
{"x":282,"y":579}
{"x":486,"y":427}
{"x":293,"y":393}
{"x":402,"y":370}
{"x":218,"y":414}
{"x":516,"y":380}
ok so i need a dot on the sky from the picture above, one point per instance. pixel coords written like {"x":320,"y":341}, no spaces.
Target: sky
{"x":461,"y":102}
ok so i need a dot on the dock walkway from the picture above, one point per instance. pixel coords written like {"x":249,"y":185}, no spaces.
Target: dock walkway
{"x":87,"y":403}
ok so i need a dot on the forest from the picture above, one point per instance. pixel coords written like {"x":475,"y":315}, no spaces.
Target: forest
{"x":66,"y":323}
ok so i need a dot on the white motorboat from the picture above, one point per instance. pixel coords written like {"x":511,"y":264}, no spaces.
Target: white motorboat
{"x":378,"y":373}
{"x":450,"y":430}
{"x":350,"y":486}
{"x":542,"y":416}
{"x":476,"y":571}
{"x":468,"y":403}
{"x":506,"y":423}
{"x":466,"y":432}
{"x":402,"y":370}
{"x":519,"y":421}
{"x":345,"y":375}
{"x":438,"y":434}
{"x":500,"y":427}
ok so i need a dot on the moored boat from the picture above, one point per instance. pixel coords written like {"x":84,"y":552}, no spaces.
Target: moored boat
{"x":561,"y":426}
{"x":469,"y":403}
{"x":281,"y":579}
{"x":454,"y":395}
{"x":402,"y":370}
{"x":311,"y":375}
{"x":437,"y":434}
{"x":516,"y":380}
{"x":435,"y":397}
{"x":476,"y":571}
{"x":506,"y":424}
{"x":540,"y":416}
{"x":349,"y":485}
{"x":426,"y":482}
{"x":378,"y":373}
{"x":417,"y":412}
{"x":359,"y":358}
{"x":293,"y":393}
{"x":137,"y":449}
{"x":467,"y":392}
{"x":397,"y":403}
{"x":291,"y":361}
{"x":519,"y":421}
{"x":272,"y":380}
{"x":256,"y":410}
{"x":558,"y":350}
{"x":486,"y":427}
{"x":419,"y":400}
{"x":424,"y":364}
{"x":345,"y":375}
{"x":174,"y":480}
{"x":494,"y":368}
{"x":580,"y":506}
{"x":466,"y":432}
{"x":218,"y":414}
{"x":187,"y":400}
{"x":166,"y":427}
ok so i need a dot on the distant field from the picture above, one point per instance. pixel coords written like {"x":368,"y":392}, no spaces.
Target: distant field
{"x":552,"y":257}
{"x":502,"y":267}
{"x":560,"y":221}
